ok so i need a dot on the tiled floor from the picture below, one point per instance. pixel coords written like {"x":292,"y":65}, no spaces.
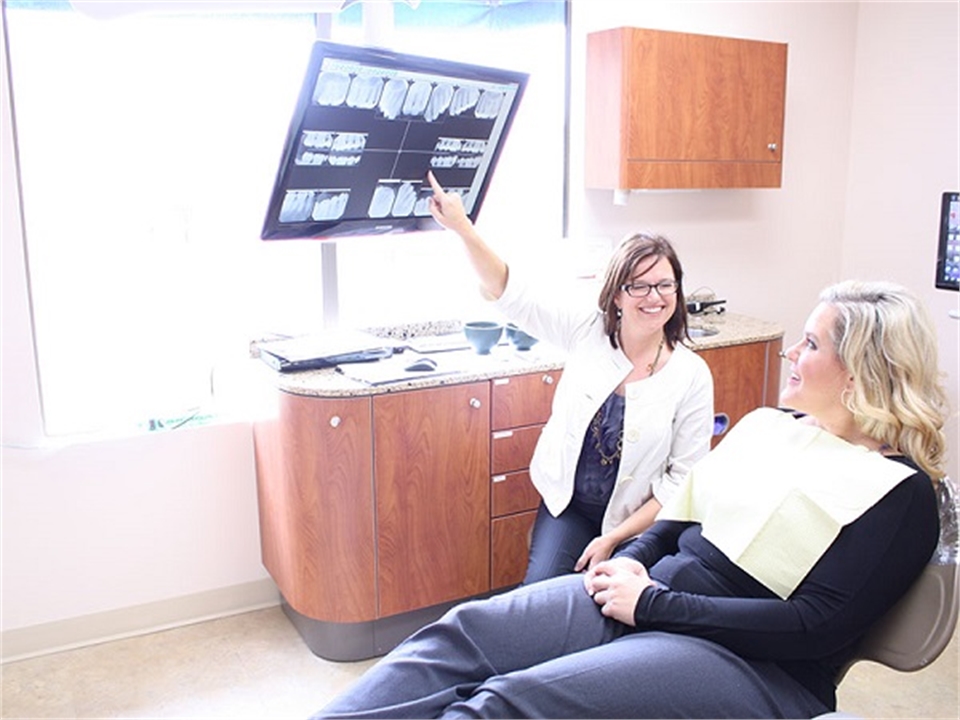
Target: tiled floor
{"x":248,"y":666}
{"x":256,"y":666}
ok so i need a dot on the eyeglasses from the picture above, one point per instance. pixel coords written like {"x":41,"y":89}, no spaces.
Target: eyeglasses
{"x":642,"y":289}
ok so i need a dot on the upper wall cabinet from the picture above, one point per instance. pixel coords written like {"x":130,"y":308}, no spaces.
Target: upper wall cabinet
{"x":675,"y":110}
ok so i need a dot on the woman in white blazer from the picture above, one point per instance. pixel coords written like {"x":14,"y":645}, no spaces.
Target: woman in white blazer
{"x":634,"y":407}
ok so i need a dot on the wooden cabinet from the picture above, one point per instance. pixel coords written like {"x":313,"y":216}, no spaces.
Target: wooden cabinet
{"x":520,"y":406}
{"x":375,"y":511}
{"x":678,"y":110}
{"x":315,"y":494}
{"x":379,"y":511}
{"x":432,"y":477}
{"x":745,"y":377}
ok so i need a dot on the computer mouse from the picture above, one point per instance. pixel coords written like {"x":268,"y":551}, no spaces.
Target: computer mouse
{"x":422,"y":365}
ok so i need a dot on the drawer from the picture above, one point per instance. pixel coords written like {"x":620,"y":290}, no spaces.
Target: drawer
{"x":512,"y":493}
{"x":509,"y":548}
{"x":522,"y":399}
{"x":512,"y":449}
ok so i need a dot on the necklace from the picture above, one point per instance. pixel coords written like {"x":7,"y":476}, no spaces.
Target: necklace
{"x":652,"y":367}
{"x":613,"y":457}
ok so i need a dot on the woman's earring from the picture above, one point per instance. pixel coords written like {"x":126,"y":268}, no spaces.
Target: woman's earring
{"x":619,"y":313}
{"x":845,"y":398}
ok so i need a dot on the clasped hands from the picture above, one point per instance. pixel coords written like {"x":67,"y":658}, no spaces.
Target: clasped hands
{"x":615,"y":585}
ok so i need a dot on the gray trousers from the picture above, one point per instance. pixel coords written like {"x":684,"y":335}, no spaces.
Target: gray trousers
{"x":544,"y":650}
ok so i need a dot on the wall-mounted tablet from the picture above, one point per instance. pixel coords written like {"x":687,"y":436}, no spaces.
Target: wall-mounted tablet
{"x":948,"y":243}
{"x":369,"y":124}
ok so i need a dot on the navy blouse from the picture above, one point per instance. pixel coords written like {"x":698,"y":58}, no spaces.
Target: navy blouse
{"x":599,"y":460}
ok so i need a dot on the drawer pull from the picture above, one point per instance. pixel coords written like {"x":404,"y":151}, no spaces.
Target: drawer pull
{"x":501,"y":434}
{"x":548,"y":379}
{"x":335,"y":421}
{"x":501,"y":381}
{"x":499,"y":478}
{"x":475,"y":403}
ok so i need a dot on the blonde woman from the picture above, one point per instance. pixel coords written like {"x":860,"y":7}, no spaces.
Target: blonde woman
{"x":779,"y":551}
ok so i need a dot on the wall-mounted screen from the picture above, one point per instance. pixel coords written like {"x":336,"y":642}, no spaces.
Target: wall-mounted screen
{"x":948,"y":245}
{"x":368,"y":125}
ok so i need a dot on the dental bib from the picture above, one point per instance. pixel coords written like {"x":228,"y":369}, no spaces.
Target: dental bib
{"x":775,"y":493}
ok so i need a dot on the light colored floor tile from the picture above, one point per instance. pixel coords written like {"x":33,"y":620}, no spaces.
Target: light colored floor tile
{"x":248,"y":666}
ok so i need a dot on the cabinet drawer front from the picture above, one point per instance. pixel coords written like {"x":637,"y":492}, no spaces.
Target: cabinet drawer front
{"x":523,"y":399}
{"x":512,"y":449}
{"x":513,"y":493}
{"x":509,"y":548}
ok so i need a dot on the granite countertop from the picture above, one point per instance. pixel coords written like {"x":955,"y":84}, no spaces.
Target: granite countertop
{"x":464,"y":366}
{"x":731,"y":329}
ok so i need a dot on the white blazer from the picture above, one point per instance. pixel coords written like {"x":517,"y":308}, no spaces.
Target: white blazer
{"x":668,"y":417}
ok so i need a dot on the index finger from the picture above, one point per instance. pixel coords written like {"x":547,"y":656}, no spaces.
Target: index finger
{"x":437,"y":189}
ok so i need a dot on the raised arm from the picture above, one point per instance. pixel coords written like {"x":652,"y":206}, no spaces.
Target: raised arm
{"x":447,"y":209}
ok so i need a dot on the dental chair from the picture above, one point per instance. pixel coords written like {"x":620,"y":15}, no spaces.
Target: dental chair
{"x":915,"y":631}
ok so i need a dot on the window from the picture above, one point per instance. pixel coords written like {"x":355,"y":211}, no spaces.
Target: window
{"x":148,"y":145}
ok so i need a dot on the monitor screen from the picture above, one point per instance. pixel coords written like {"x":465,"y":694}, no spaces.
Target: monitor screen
{"x":369,"y":124}
{"x":948,"y":246}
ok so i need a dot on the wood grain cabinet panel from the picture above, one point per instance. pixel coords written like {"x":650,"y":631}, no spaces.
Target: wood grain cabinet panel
{"x":512,"y":493}
{"x":432,"y":479}
{"x":513,"y":449}
{"x":520,"y":400}
{"x":315,"y":494}
{"x":745,"y":377}
{"x":509,"y":548}
{"x":679,"y":110}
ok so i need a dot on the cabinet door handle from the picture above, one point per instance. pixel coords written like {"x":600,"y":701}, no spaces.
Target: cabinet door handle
{"x":548,"y":379}
{"x":335,"y":421}
{"x":475,"y":403}
{"x":772,"y":147}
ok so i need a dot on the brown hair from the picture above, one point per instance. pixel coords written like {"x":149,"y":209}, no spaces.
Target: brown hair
{"x":632,"y":251}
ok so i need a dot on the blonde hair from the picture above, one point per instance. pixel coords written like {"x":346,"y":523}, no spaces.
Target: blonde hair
{"x":886,"y":339}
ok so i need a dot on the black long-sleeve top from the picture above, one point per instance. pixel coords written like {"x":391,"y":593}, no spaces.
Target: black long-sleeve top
{"x":811,"y":634}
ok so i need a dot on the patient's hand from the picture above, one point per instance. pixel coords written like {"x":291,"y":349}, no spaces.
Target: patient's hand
{"x":615,"y":585}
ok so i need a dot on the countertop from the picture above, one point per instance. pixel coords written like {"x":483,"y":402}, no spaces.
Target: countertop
{"x":464,"y":366}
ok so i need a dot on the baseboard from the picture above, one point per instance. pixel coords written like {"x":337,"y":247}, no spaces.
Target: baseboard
{"x":23,"y":643}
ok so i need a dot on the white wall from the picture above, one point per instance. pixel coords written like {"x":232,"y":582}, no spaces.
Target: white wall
{"x":90,"y":531}
{"x":904,"y":152}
